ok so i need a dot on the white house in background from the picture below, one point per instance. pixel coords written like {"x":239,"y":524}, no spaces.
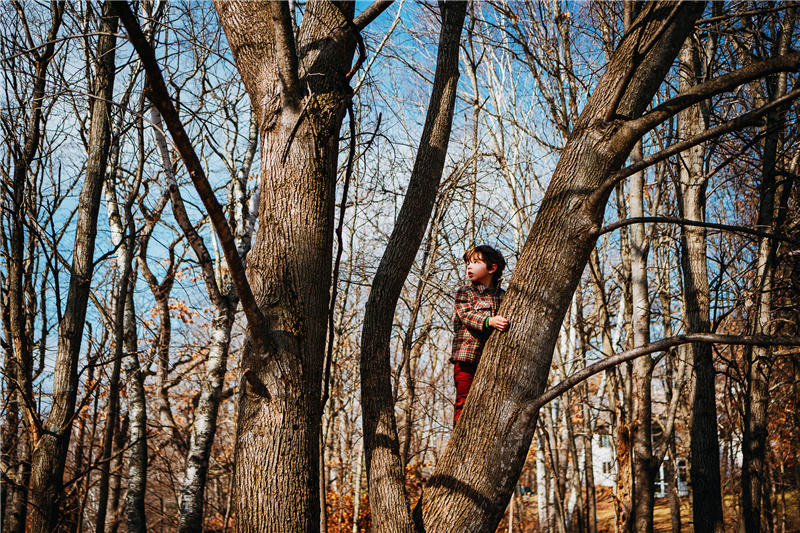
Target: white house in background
{"x":604,"y":459}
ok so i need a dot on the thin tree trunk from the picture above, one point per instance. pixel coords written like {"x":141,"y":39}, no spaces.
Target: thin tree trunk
{"x":644,"y":469}
{"x":706,"y":488}
{"x":50,"y":449}
{"x":357,"y":487}
{"x":541,"y":486}
{"x":556,"y":485}
{"x":758,"y":359}
{"x":112,"y":410}
{"x":115,"y":502}
{"x":18,"y":362}
{"x":385,"y":473}
{"x":665,"y":297}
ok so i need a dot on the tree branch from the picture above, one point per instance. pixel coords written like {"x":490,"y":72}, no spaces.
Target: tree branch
{"x":713,"y":87}
{"x":732,"y":125}
{"x":658,"y":346}
{"x":285,"y":53}
{"x":638,"y":55}
{"x":371,"y":13}
{"x":156,"y":92}
{"x":685,"y":222}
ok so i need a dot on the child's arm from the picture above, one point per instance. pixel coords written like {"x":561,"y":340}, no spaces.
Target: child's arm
{"x":476,"y":314}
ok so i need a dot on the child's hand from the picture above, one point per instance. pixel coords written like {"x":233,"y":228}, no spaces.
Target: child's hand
{"x":498,"y":322}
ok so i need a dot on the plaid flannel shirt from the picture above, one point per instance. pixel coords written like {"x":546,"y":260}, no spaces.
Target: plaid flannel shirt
{"x":474,"y":304}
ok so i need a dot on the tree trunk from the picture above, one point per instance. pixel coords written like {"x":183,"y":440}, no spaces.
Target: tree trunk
{"x":205,"y":421}
{"x":476,"y":475}
{"x":278,"y":429}
{"x":112,"y":410}
{"x":359,"y":455}
{"x":706,"y":489}
{"x":50,"y":450}
{"x":137,"y":414}
{"x":385,"y":472}
{"x":17,"y":319}
{"x":758,"y":359}
{"x":643,"y":465}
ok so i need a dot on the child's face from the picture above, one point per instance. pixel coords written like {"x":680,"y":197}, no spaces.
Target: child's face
{"x":478,"y":272}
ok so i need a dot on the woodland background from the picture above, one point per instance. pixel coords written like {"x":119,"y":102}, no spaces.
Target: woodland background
{"x":150,"y":365}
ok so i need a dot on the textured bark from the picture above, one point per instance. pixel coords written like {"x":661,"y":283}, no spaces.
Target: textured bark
{"x":290,"y":264}
{"x":385,"y":471}
{"x":224,"y":301}
{"x":205,"y":424}
{"x":18,"y":440}
{"x":759,"y":360}
{"x":137,"y":414}
{"x":643,"y":465}
{"x":476,"y":475}
{"x":706,"y":488}
{"x":50,"y":451}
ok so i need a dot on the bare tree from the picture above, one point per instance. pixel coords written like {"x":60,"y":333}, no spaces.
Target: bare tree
{"x":298,"y":86}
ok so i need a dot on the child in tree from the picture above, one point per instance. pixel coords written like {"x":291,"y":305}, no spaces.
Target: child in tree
{"x":476,"y":316}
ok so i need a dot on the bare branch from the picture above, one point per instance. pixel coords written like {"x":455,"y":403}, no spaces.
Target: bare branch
{"x":732,"y":125}
{"x":713,"y":87}
{"x":156,"y":92}
{"x":658,"y":346}
{"x":371,"y":13}
{"x":695,"y":223}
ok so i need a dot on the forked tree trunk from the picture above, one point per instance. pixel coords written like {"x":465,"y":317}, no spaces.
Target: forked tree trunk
{"x":299,"y":92}
{"x":476,"y":475}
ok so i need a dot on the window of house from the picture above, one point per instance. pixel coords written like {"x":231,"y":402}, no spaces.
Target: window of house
{"x":681,"y":471}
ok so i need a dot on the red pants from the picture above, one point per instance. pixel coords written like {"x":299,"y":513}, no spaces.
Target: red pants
{"x":463,"y":374}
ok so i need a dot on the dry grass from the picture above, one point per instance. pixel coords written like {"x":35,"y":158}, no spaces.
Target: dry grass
{"x":661,"y":515}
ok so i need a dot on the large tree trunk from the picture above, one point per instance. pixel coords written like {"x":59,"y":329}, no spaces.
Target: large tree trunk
{"x":290,"y":264}
{"x":476,"y":475}
{"x":50,"y":449}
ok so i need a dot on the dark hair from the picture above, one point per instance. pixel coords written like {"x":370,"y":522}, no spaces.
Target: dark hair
{"x":491,"y":257}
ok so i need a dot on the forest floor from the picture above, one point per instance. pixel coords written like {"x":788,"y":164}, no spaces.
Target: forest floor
{"x":661,"y":515}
